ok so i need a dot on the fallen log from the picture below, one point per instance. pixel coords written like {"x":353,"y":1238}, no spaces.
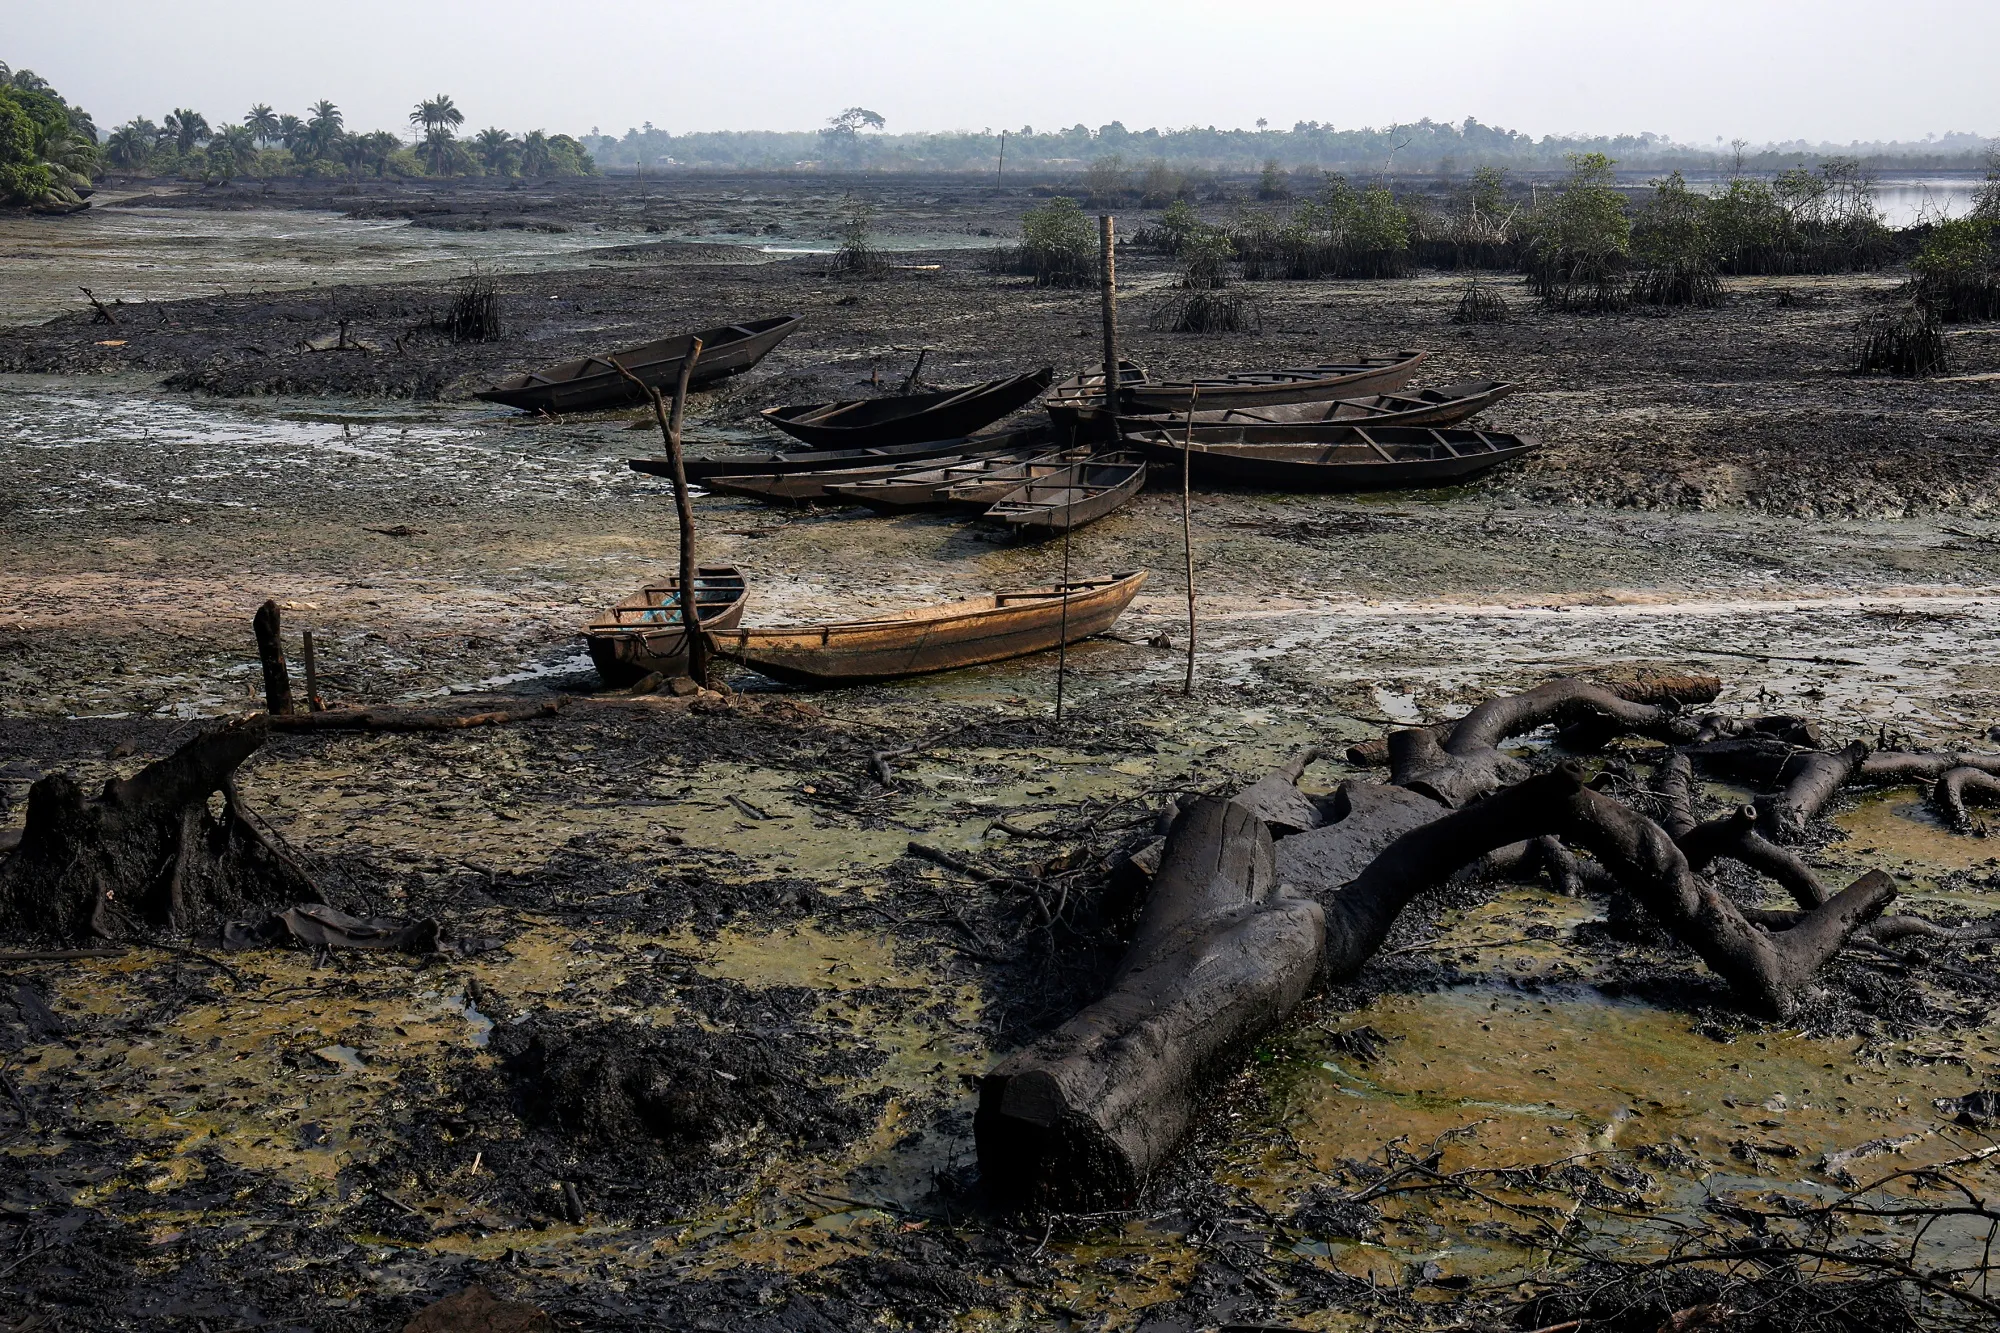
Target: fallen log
{"x":1653,"y":688}
{"x":1083,"y":1116}
{"x":147,"y":854}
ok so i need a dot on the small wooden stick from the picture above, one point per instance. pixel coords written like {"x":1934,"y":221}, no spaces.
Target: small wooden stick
{"x":103,"y":315}
{"x":314,"y":703}
{"x":271,"y":651}
{"x":1108,"y":299}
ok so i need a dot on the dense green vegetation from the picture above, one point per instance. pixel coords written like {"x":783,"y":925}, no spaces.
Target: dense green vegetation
{"x":48,"y":148}
{"x":319,"y":144}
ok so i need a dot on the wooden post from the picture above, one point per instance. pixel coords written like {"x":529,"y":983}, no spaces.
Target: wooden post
{"x":1002,"y":169}
{"x":670,"y":428}
{"x":1187,"y":530}
{"x":1108,"y":297}
{"x":314,"y":703}
{"x":271,"y":651}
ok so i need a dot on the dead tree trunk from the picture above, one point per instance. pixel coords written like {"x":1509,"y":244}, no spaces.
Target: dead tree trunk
{"x":271,"y":652}
{"x":1083,"y":1116}
{"x":147,"y":854}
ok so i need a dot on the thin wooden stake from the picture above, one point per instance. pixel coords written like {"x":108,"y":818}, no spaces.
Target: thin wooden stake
{"x":271,"y":652}
{"x":1187,"y":530}
{"x":670,"y":427}
{"x":1108,"y":298}
{"x":313,"y":702}
{"x":1062,"y":639}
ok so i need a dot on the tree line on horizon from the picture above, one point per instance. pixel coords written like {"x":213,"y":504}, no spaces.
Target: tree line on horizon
{"x":267,"y":144}
{"x":857,"y":140}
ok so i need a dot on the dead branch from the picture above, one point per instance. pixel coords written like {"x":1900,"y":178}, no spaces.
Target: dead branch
{"x":1958,"y":787}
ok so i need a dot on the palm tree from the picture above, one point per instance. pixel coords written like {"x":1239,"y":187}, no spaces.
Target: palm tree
{"x":322,"y":128}
{"x":132,"y":143}
{"x":262,"y":122}
{"x":437,"y":113}
{"x":535,"y":154}
{"x":291,"y":132}
{"x":231,"y":151}
{"x":381,"y":146}
{"x":188,"y":128}
{"x":496,"y":149}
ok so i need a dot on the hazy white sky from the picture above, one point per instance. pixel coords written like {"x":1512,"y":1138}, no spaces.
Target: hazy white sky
{"x":1692,"y":69}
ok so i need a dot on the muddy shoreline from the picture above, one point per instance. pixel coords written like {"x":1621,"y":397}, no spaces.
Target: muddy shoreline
{"x":657,"y":891}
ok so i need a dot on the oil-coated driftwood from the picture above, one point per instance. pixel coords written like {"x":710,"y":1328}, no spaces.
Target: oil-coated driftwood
{"x":149,"y":853}
{"x":1765,"y":969}
{"x":1083,"y":1116}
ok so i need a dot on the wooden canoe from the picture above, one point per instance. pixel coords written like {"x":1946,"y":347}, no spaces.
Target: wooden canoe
{"x":829,"y":460}
{"x":933,"y":638}
{"x":965,"y":483}
{"x":942,"y":414}
{"x":592,"y":382}
{"x":801,"y":487}
{"x":644,"y":633}
{"x":1409,"y":407}
{"x":1071,"y":496}
{"x":1080,"y":399}
{"x":1333,"y":457}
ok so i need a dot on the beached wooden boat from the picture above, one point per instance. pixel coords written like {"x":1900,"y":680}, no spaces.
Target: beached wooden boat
{"x":933,"y":638}
{"x":1332,"y":457}
{"x":830,"y":460}
{"x":1409,"y":407}
{"x":644,"y":633}
{"x":964,"y":483}
{"x":592,"y":382}
{"x":1071,"y":496}
{"x":942,"y":414}
{"x":801,"y":487}
{"x":1079,"y":400}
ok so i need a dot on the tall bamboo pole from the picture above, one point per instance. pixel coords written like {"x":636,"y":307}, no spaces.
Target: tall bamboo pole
{"x":1187,"y":530}
{"x":1108,"y":299}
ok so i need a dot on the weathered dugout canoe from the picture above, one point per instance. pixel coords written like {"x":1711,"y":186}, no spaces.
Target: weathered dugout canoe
{"x":1332,"y":457}
{"x":1079,"y":400}
{"x":800,"y":487}
{"x":907,"y":419}
{"x":966,"y":483}
{"x":1069,"y":497}
{"x":934,"y":638}
{"x":1410,"y":407}
{"x":643,"y":633}
{"x":592,"y":382}
{"x":830,"y":460}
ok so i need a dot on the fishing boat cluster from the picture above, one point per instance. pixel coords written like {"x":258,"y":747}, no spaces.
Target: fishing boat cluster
{"x":1354,"y":425}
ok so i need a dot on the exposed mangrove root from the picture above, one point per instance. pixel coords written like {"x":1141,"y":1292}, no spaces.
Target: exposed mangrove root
{"x":151,"y":853}
{"x":1960,"y":786}
{"x":1764,"y":969}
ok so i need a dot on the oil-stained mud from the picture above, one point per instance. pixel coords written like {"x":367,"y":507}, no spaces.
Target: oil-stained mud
{"x":713,"y":990}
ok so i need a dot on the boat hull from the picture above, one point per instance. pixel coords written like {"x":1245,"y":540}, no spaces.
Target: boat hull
{"x":995,"y":630}
{"x":643,"y":633}
{"x":940,"y":415}
{"x":1367,"y":460}
{"x":591,"y":383}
